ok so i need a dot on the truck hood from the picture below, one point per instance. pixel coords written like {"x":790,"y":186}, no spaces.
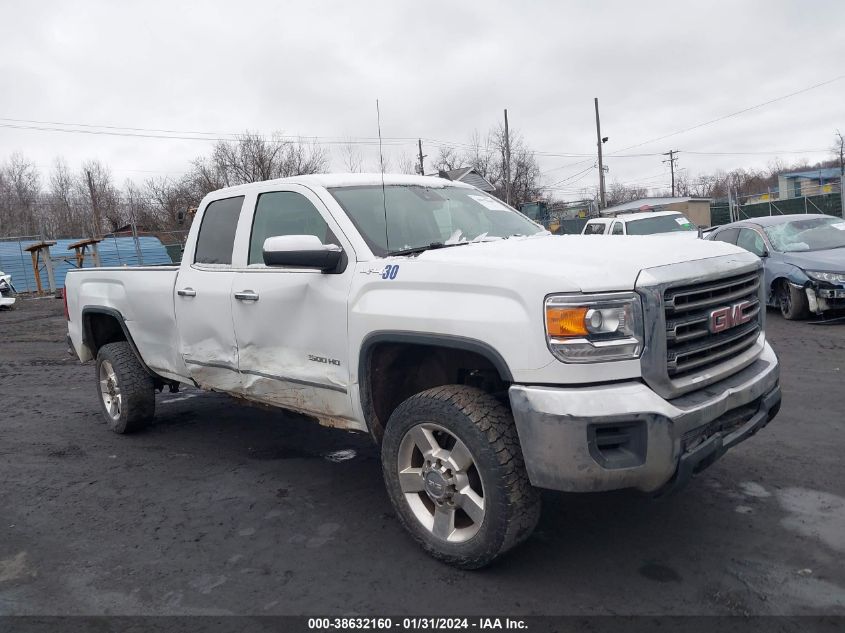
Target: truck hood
{"x":581,"y":262}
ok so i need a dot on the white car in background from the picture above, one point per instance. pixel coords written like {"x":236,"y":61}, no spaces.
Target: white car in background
{"x":670,"y":223}
{"x":7,"y":291}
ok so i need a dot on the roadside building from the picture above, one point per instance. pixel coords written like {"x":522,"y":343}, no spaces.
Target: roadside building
{"x":810,"y":182}
{"x":697,"y":210}
{"x":470,"y":176}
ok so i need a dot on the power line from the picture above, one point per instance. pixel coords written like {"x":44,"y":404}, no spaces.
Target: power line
{"x":219,"y":135}
{"x":111,"y":127}
{"x":316,"y":140}
{"x":569,"y":178}
{"x":737,"y":113}
{"x":772,"y":152}
{"x":145,"y":132}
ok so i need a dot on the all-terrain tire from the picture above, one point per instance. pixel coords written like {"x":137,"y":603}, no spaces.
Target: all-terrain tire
{"x":486,"y":427}
{"x":133,"y":389}
{"x":792,"y":302}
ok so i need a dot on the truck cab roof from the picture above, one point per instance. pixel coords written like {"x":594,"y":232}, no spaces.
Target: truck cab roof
{"x":328,"y":181}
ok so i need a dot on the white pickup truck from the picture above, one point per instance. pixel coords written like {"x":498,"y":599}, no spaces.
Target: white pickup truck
{"x":487,"y":357}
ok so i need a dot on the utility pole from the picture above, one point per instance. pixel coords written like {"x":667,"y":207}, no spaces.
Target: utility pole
{"x":841,"y":172}
{"x":671,"y":160}
{"x":95,"y":202}
{"x":421,"y":167}
{"x":507,"y":161}
{"x":599,"y":142}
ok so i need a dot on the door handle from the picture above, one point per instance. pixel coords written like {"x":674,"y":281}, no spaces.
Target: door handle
{"x":186,"y":292}
{"x":246,"y":295}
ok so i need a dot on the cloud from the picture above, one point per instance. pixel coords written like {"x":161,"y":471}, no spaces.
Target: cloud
{"x":439,"y":69}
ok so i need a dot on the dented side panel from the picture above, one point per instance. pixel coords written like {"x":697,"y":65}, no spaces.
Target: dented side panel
{"x":206,"y":335}
{"x":292,"y":334}
{"x":292,"y":343}
{"x":776,"y":270}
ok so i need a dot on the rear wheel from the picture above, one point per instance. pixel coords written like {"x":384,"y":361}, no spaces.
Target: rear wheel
{"x":792,"y":301}
{"x":454,"y":471}
{"x":126,"y":390}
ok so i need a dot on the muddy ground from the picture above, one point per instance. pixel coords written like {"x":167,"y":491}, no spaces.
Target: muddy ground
{"x":221,"y":508}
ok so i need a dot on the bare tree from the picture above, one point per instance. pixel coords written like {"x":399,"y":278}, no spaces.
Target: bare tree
{"x":353,"y":161}
{"x":447,"y":159}
{"x":619,"y":193}
{"x":482,"y":155}
{"x":406,"y":164}
{"x":486,"y":156}
{"x":303,"y":157}
{"x":524,"y":170}
{"x":101,"y":197}
{"x":168,"y":198}
{"x":254,"y":157}
{"x":21,"y":185}
{"x":136,"y":206}
{"x":67,"y":217}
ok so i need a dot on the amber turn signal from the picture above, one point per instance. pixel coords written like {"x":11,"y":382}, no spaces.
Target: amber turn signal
{"x":565,"y":321}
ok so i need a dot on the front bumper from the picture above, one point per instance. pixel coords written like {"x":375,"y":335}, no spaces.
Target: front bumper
{"x":822,"y":297}
{"x":624,"y":435}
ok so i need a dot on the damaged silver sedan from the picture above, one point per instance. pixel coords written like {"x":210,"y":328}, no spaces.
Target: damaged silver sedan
{"x":803,"y":257}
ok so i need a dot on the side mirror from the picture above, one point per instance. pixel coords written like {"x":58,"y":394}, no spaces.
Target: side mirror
{"x":301,"y":251}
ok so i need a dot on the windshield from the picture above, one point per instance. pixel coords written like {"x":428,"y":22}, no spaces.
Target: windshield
{"x":418,"y":217}
{"x":660,"y":224}
{"x":811,"y":234}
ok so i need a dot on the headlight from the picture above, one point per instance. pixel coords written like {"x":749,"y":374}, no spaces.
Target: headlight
{"x":834,"y":278}
{"x":594,"y":328}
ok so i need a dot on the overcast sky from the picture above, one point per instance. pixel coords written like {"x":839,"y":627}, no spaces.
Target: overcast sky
{"x":439,"y":70}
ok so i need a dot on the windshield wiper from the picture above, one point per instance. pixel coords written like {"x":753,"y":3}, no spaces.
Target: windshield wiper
{"x":419,"y":249}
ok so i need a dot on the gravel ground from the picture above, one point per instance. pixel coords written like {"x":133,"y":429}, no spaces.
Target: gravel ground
{"x":221,"y":508}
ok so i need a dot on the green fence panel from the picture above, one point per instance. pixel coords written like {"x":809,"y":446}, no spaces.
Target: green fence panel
{"x":829,"y":203}
{"x":826,"y":203}
{"x":719,"y":214}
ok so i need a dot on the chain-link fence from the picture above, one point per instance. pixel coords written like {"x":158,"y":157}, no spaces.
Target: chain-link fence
{"x":121,"y":249}
{"x":829,"y":204}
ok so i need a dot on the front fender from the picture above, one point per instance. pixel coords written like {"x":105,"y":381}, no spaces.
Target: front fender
{"x":776,"y":271}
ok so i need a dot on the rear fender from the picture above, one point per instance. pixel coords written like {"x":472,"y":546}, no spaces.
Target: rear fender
{"x":92,"y":339}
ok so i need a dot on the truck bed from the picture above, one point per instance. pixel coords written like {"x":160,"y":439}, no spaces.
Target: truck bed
{"x":144,"y":298}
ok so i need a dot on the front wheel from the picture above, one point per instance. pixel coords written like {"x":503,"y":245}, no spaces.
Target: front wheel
{"x":792,"y":302}
{"x":454,"y":471}
{"x":126,"y":390}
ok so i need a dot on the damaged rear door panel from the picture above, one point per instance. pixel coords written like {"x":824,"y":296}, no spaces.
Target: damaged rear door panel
{"x":203,"y":300}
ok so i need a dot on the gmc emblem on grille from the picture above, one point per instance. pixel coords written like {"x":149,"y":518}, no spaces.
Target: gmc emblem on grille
{"x":722,"y":319}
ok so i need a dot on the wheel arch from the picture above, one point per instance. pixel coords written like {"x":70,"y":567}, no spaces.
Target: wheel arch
{"x":102,"y":325}
{"x":438,"y":359}
{"x":794,"y":276}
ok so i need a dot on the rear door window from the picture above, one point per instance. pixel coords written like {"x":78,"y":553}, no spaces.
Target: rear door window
{"x":596,"y":228}
{"x":217,"y":233}
{"x":728,"y":235}
{"x":751,"y":241}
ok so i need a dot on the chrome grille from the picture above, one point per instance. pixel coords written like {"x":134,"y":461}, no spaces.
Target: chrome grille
{"x":690,"y":345}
